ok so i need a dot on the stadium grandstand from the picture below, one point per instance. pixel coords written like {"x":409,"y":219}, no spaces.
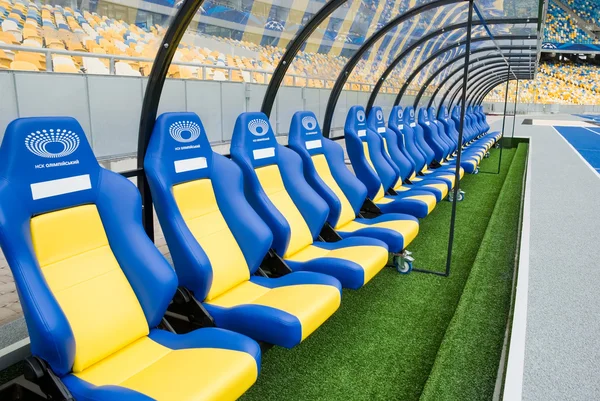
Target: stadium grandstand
{"x":299,"y":200}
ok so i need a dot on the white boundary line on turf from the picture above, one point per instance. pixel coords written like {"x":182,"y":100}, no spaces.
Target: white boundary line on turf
{"x":577,"y":152}
{"x":513,"y":381}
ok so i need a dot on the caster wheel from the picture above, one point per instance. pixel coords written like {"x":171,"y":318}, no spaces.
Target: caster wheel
{"x":497,"y":145}
{"x":487,"y":155}
{"x":476,"y":171}
{"x":403,"y":262}
{"x":461,"y":196}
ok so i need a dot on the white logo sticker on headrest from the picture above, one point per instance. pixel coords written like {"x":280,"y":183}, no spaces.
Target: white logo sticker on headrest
{"x":401,"y":126}
{"x":258,"y":127}
{"x":362,"y":132}
{"x":360,"y":116}
{"x":413,"y":124}
{"x":412,"y":113}
{"x":40,"y":143}
{"x":177,"y":130}
{"x":379,"y":115}
{"x":195,"y":163}
{"x":263,"y":153}
{"x":381,"y":130}
{"x":313,"y":144}
{"x":400,"y":113}
{"x":309,"y":123}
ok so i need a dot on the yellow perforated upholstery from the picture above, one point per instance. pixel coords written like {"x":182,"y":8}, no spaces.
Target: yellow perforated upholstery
{"x":380,"y":193}
{"x":322,"y":168}
{"x":272,"y":183}
{"x":85,"y":278}
{"x":176,"y":375}
{"x":198,"y":206}
{"x":408,"y":228}
{"x":371,"y":258}
{"x":312,"y":304}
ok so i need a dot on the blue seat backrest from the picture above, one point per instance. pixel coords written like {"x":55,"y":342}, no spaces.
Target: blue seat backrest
{"x":179,"y":152}
{"x":410,"y":136}
{"x":376,"y":125}
{"x":396,"y":124}
{"x":307,"y":140}
{"x":253,"y":146}
{"x":365,"y":150}
{"x":393,"y":154}
{"x":47,"y":166}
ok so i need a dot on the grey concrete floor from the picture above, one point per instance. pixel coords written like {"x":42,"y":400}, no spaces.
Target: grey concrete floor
{"x":562,"y":345}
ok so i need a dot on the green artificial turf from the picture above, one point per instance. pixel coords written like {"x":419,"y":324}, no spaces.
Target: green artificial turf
{"x":383,"y":341}
{"x":467,"y":362}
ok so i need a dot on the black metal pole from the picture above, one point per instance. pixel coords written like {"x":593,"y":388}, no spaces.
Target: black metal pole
{"x":460,"y":138}
{"x":156,"y":81}
{"x":503,"y":120}
{"x":515,"y":112}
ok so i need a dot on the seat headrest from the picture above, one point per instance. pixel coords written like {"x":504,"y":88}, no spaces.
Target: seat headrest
{"x":409,"y":115}
{"x":432,"y":113}
{"x":180,"y":144}
{"x":375,"y":121}
{"x":396,"y":117}
{"x":253,"y":138}
{"x":48,"y":163}
{"x":356,"y":122}
{"x":423,"y":118}
{"x":306,"y":133}
{"x":443,"y":112}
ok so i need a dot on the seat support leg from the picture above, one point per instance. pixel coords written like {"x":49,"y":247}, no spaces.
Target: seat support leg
{"x":37,"y":371}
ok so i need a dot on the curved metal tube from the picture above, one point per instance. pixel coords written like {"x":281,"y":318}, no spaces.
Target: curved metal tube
{"x":292,"y":50}
{"x":431,"y":35}
{"x":156,"y":82}
{"x":424,"y":64}
{"x":495,"y":57}
{"x":349,"y":67}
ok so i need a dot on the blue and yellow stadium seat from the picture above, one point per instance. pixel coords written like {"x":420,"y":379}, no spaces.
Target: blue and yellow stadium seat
{"x":92,"y":284}
{"x":274,"y":184}
{"x":326,"y":172}
{"x":218,"y":242}
{"x":366,"y":152}
{"x":404,"y":168}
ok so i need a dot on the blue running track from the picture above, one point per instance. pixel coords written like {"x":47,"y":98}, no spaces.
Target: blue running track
{"x":586,"y":141}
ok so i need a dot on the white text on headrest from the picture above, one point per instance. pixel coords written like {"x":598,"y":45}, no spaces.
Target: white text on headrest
{"x":195,"y":163}
{"x":263,"y":153}
{"x":48,"y":189}
{"x":313,"y":144}
{"x":413,"y":124}
{"x":381,"y":130}
{"x":401,"y":126}
{"x":362,"y":132}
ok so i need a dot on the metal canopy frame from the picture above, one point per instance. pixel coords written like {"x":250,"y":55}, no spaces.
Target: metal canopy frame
{"x":491,"y":59}
{"x":431,"y":35}
{"x":188,"y":10}
{"x":443,"y":67}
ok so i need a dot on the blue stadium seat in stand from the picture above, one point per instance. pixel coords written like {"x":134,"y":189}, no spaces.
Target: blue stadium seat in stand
{"x":275,"y":186}
{"x":93,"y":286}
{"x":399,"y":162}
{"x":366,"y":153}
{"x":218,"y":241}
{"x":326,"y":172}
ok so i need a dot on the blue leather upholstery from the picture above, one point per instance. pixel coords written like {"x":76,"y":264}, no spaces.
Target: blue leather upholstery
{"x":253,"y":148}
{"x":366,"y":153}
{"x":35,"y":153}
{"x":306,"y":139}
{"x":253,"y":236}
{"x":397,"y":159}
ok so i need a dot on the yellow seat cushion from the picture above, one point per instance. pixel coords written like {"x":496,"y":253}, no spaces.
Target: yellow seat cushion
{"x":311,"y":304}
{"x":443,"y":188}
{"x":408,"y":228}
{"x":371,"y":258}
{"x":164,"y":374}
